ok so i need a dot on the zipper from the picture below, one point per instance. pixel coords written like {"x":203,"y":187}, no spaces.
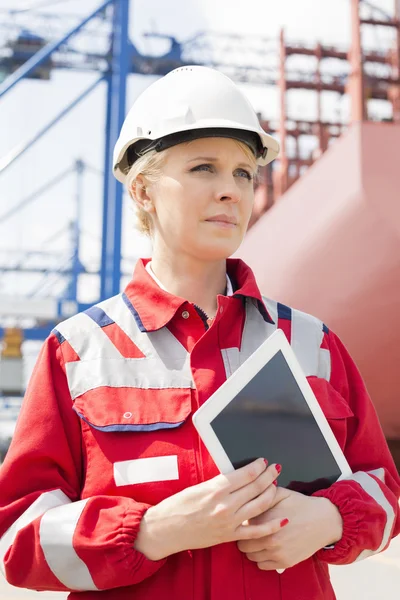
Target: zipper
{"x":203,"y":316}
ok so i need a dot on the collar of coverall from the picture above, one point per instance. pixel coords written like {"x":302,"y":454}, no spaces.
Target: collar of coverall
{"x":154,"y":307}
{"x":228,"y":288}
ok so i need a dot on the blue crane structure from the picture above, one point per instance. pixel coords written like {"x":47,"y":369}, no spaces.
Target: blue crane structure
{"x":35,"y":44}
{"x":113,"y":55}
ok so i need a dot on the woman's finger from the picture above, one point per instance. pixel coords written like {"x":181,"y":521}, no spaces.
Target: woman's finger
{"x":261,"y":556}
{"x":256,"y":507}
{"x":269,"y":565}
{"x":242,"y":477}
{"x":253,"y":532}
{"x":254,"y":489}
{"x":252,"y":546}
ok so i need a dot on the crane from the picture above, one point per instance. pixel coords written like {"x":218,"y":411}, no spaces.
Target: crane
{"x":35,"y":44}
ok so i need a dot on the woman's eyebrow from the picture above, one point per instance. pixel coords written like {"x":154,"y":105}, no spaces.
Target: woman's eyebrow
{"x":215,"y":159}
{"x":209,"y":158}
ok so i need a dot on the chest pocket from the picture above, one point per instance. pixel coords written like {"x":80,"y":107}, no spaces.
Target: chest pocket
{"x":334,"y":407}
{"x":138,"y":442}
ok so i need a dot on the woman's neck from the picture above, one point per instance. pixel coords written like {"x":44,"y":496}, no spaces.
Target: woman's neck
{"x":197,"y":282}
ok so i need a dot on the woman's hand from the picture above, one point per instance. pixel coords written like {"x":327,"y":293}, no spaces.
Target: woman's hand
{"x":313,"y":523}
{"x":210,"y":513}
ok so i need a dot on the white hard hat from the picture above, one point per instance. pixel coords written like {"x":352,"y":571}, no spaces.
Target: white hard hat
{"x":189,"y":103}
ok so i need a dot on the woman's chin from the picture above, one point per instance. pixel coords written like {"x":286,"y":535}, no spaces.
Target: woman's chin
{"x":218,"y":251}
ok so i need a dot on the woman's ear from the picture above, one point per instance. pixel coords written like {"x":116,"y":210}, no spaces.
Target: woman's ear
{"x":140,"y":192}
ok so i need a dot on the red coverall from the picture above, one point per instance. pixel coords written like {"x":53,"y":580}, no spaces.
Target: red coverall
{"x":96,"y":444}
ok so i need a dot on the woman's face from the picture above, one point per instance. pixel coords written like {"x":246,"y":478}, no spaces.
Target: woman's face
{"x":204,"y":183}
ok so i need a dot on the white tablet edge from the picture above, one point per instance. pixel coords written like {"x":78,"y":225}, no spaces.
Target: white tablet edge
{"x":237,"y":381}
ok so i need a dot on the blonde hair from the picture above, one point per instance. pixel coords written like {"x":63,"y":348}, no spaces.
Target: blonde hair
{"x":150,"y":166}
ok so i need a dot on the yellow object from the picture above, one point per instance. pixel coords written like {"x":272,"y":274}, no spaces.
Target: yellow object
{"x":12,"y":340}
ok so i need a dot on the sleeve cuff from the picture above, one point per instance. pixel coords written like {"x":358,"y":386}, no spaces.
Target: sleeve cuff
{"x":339,"y":552}
{"x":136,"y":561}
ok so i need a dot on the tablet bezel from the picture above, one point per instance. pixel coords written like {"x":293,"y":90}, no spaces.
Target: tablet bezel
{"x":202,"y":418}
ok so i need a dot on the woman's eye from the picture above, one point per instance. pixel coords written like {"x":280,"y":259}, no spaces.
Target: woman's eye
{"x":242,"y":172}
{"x":202,"y":168}
{"x":246,"y":174}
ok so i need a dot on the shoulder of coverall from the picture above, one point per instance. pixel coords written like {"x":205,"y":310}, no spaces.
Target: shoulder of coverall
{"x":153,"y":308}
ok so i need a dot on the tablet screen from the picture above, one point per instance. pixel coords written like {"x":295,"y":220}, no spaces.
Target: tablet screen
{"x":270,"y":418}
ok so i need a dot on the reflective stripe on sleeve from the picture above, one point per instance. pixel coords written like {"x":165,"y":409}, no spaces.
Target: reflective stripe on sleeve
{"x":371,"y":487}
{"x":45,"y":502}
{"x":57,"y":529}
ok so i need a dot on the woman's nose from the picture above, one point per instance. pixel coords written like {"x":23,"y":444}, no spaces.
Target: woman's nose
{"x":228,"y":191}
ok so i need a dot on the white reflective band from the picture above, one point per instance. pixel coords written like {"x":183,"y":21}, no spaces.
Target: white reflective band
{"x":46,"y":501}
{"x":272,"y":308}
{"x":87,"y":338}
{"x":141,"y":373}
{"x":256,"y":330}
{"x":153,"y":344}
{"x":231,"y":358}
{"x":145,"y":470}
{"x":379,"y":474}
{"x":57,"y":529}
{"x":371,"y":487}
{"x":306,"y":340}
{"x":324,"y":364}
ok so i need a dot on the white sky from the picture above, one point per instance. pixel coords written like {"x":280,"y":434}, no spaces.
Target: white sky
{"x":31,"y":104}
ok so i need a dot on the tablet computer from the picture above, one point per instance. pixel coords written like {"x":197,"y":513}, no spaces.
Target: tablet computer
{"x":268,"y":409}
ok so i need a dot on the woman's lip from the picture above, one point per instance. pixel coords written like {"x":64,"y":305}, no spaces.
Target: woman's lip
{"x":222,"y":219}
{"x":223,"y":223}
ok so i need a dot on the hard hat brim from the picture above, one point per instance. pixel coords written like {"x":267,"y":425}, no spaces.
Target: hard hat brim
{"x":121,"y":165}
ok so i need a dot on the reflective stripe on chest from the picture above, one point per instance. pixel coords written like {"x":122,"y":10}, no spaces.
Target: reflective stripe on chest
{"x":166,"y":363}
{"x":304,"y":332}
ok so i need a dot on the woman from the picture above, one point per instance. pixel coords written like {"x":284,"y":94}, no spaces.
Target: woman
{"x":106,"y":485}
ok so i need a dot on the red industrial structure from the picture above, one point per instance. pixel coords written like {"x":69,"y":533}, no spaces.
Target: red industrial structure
{"x":329,"y":243}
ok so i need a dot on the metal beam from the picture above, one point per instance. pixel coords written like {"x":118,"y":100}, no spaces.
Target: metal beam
{"x":22,"y":147}
{"x":77,"y":267}
{"x":39,"y":57}
{"x":116,"y":102}
{"x":106,"y":184}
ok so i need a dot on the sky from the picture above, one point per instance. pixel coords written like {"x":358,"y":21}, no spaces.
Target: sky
{"x":80,"y":135}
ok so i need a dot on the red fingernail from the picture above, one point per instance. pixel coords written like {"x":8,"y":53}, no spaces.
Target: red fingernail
{"x":284,"y":522}
{"x":266,"y":462}
{"x":275,"y":482}
{"x":278,"y":468}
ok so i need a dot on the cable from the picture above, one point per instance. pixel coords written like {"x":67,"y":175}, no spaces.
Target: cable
{"x":55,"y":236}
{"x":379,"y":10}
{"x":94,"y":170}
{"x":33,"y":196}
{"x":39,"y":5}
{"x":41,"y":286}
{"x":91,"y":235}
